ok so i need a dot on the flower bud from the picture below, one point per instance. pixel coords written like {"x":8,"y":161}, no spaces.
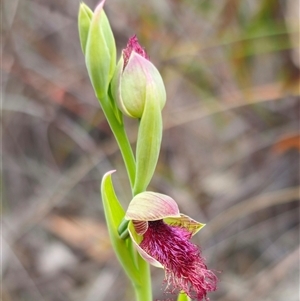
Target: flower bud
{"x":139,"y":92}
{"x":85,"y":16}
{"x":98,"y":45}
{"x":136,"y":80}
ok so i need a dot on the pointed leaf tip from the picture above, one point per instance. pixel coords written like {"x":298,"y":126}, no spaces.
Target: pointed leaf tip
{"x":99,"y":6}
{"x":85,"y":16}
{"x":109,"y":173}
{"x":114,"y":214}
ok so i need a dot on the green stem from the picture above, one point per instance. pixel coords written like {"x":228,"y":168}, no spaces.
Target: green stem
{"x":183,"y":297}
{"x":143,"y":291}
{"x":121,"y":137}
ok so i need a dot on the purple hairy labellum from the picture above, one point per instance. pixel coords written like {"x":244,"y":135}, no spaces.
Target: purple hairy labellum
{"x":184,"y":266}
{"x":162,"y":236}
{"x":133,"y":45}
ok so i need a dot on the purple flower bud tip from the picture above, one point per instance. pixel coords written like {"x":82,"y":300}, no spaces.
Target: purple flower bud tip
{"x":133,"y":45}
{"x":185,"y":268}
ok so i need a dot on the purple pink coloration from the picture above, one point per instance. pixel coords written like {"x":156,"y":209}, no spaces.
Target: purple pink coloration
{"x":133,"y":45}
{"x":184,"y":267}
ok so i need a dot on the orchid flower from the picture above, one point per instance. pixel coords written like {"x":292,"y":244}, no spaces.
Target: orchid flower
{"x":161,"y":235}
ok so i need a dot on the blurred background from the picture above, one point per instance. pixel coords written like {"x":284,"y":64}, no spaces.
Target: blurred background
{"x":230,"y":152}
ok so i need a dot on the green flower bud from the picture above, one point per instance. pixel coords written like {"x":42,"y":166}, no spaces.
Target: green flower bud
{"x":136,"y":80}
{"x":99,"y":47}
{"x":139,"y":92}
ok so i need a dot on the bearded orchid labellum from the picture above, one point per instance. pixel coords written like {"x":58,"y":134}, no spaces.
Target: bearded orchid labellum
{"x":161,"y":235}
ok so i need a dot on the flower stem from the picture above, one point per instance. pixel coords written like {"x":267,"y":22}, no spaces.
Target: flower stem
{"x":143,"y":291}
{"x":121,"y":137}
{"x":183,"y":297}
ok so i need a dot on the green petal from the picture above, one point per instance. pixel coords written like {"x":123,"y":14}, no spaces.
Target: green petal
{"x":140,"y":226}
{"x":186,"y":222}
{"x":151,"y":206}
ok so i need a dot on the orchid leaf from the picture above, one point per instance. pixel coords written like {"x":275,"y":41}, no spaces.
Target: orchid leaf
{"x":114,"y":214}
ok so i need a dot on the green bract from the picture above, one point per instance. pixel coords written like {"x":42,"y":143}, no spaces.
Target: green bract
{"x":148,"y":145}
{"x":98,"y":46}
{"x":139,"y":92}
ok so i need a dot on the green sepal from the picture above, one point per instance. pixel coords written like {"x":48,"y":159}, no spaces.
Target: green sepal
{"x":148,"y":144}
{"x":85,"y":16}
{"x":114,"y":214}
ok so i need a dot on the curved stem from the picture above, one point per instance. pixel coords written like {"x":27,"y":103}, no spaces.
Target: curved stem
{"x":121,"y":137}
{"x":143,"y":290}
{"x":183,"y":297}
